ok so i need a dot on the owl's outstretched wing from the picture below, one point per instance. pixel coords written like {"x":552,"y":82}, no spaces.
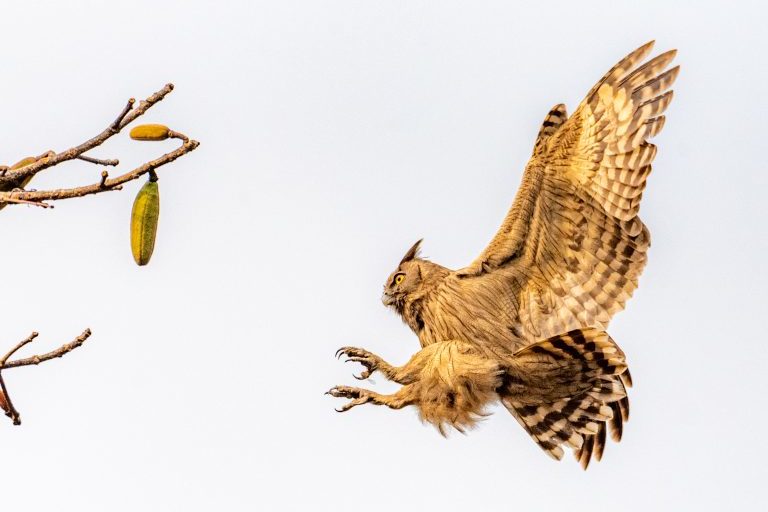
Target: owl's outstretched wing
{"x":571,"y":248}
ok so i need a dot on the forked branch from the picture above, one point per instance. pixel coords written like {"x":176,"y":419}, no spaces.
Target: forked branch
{"x":10,"y":178}
{"x":5,"y":398}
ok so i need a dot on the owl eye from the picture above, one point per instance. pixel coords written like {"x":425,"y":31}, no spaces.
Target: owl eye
{"x":399,"y":278}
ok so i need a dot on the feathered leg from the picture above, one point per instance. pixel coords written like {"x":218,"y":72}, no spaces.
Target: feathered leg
{"x":450,"y":382}
{"x":404,"y":396}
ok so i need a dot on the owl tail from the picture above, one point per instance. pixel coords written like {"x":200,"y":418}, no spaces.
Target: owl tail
{"x":564,"y":390}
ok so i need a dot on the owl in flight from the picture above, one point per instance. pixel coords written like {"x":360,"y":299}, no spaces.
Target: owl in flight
{"x":524,"y":323}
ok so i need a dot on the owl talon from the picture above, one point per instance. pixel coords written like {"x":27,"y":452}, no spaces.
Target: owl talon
{"x":359,"y":355}
{"x":371,"y":366}
{"x":353,"y":403}
{"x":358,"y":396}
{"x":345,"y":392}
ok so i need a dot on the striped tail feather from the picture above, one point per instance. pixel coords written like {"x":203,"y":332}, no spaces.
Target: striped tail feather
{"x":595,"y":444}
{"x":566,"y":390}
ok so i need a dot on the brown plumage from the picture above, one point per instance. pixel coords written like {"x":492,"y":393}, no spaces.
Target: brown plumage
{"x":524,"y":323}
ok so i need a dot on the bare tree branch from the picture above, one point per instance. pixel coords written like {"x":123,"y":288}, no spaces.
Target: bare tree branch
{"x":104,"y":185}
{"x":5,"y":398}
{"x":10,"y":193}
{"x":7,"y":403}
{"x":41,"y":358}
{"x":126,"y":116}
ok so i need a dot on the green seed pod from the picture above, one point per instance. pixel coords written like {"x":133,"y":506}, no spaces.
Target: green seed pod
{"x":150,"y":132}
{"x":144,"y":216}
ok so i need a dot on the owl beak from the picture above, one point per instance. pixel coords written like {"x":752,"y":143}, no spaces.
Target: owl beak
{"x":387,"y":299}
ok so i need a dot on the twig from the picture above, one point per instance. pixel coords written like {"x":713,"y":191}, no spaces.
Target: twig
{"x":23,"y":201}
{"x":176,"y":135}
{"x":59,"y":352}
{"x":102,"y":186}
{"x":111,"y":163}
{"x":116,"y":124}
{"x":11,"y":411}
{"x":126,"y":116}
{"x":29,"y":339}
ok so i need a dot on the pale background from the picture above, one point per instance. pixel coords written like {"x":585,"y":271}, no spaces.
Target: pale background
{"x":334,"y":134}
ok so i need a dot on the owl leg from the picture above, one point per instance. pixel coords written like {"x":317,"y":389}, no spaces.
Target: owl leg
{"x":374,"y":363}
{"x":361,"y":396}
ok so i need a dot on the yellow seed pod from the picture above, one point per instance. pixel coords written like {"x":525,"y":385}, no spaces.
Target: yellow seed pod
{"x":23,"y":163}
{"x":6,"y":187}
{"x":150,"y":132}
{"x":144,"y":216}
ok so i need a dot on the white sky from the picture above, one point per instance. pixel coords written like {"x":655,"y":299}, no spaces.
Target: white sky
{"x":334,"y":134}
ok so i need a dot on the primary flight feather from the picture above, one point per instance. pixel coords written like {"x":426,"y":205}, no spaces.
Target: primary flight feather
{"x":524,"y":323}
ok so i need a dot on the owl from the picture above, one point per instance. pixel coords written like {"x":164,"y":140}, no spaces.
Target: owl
{"x":524,"y":324}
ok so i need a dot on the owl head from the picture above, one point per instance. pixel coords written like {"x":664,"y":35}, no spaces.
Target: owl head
{"x":405,"y":281}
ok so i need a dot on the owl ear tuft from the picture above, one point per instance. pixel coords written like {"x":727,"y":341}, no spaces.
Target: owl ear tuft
{"x":412,"y":252}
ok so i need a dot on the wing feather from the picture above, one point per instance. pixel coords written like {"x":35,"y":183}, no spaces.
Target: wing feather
{"x":572,"y":246}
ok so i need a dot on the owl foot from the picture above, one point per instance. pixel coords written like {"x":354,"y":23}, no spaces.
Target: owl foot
{"x":372,"y":362}
{"x":358,"y":396}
